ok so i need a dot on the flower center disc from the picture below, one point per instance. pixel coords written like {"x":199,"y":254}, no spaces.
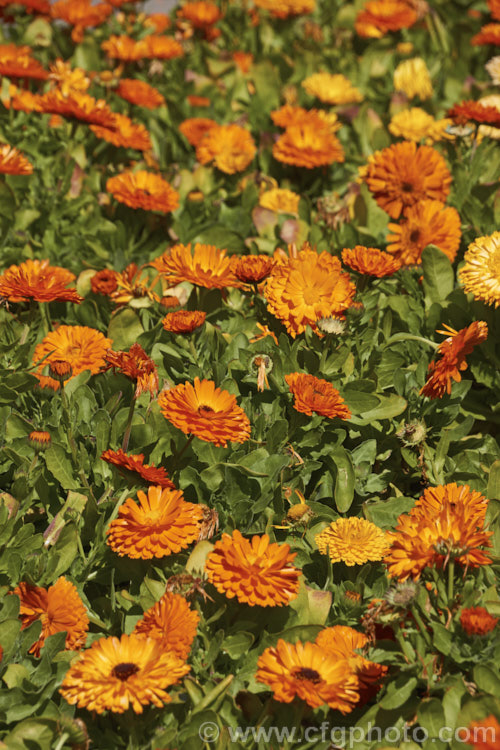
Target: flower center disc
{"x":205,"y":411}
{"x":306,"y":673}
{"x":124,"y":670}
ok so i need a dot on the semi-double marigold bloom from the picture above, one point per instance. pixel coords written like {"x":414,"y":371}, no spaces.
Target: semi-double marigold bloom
{"x":307,"y":671}
{"x":370,"y":261}
{"x":453,"y":351}
{"x":472,"y":111}
{"x":280,"y":200}
{"x":137,"y":366}
{"x":116,"y":674}
{"x":306,"y":288}
{"x":78,"y":105}
{"x":145,"y":190}
{"x":353,"y":541}
{"x":289,"y":115}
{"x":405,"y":174}
{"x":332,"y":89}
{"x":252,"y":269}
{"x":140,"y":93}
{"x":206,"y":266}
{"x":480,"y":274}
{"x":195,"y":128}
{"x":494,"y":6}
{"x":104,"y":282}
{"x":13,"y":161}
{"x":22,"y":100}
{"x":416,"y":124}
{"x":171,"y":621}
{"x":200,"y":13}
{"x":82,"y":348}
{"x":313,"y":394}
{"x":81,"y":14}
{"x":125,"y":133}
{"x":183,"y":321}
{"x":477,"y":621}
{"x":122,"y":48}
{"x":256,"y":572}
{"x":205,"y":411}
{"x":446,"y":522}
{"x":412,"y":77}
{"x":309,"y":143}
{"x":230,"y":147}
{"x":17,"y":62}
{"x":286,"y":8}
{"x":425,"y":223}
{"x":68,"y":79}
{"x":161,"y":524}
{"x":160,"y":47}
{"x":380,"y":16}
{"x":37,"y":280}
{"x":59,"y":608}
{"x":489,"y":34}
{"x":129,"y":463}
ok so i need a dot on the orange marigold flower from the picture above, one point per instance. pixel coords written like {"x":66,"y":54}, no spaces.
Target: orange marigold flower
{"x":122,"y":48}
{"x":145,"y":190}
{"x":230,"y":147}
{"x":453,"y":351}
{"x":289,"y":115}
{"x":81,"y":347}
{"x":135,"y":463}
{"x":280,"y":200}
{"x":67,"y":78}
{"x":425,"y":223}
{"x":207,"y":266}
{"x":243,"y":60}
{"x":79,"y":105}
{"x":17,"y":62}
{"x":309,"y":143}
{"x":380,"y":16}
{"x":37,"y":280}
{"x":40,"y":439}
{"x":309,"y":672}
{"x":160,"y":47}
{"x":195,"y":128}
{"x":80,"y":14}
{"x":157,"y":21}
{"x":104,"y":282}
{"x":172,"y":621}
{"x":489,"y":34}
{"x":306,"y":288}
{"x":353,"y":541}
{"x":22,"y":100}
{"x":59,"y":608}
{"x":13,"y":161}
{"x":161,"y":524}
{"x":200,"y":13}
{"x":405,"y":174}
{"x":183,"y":321}
{"x":198,"y":101}
{"x":370,"y":261}
{"x":210,"y":413}
{"x":286,"y":8}
{"x":256,"y":572}
{"x":477,"y":621}
{"x":137,"y":366}
{"x":494,"y":6}
{"x":125,"y":133}
{"x":480,"y":274}
{"x":472,"y":111}
{"x":116,"y":674}
{"x":131,"y":286}
{"x":251,"y":269}
{"x":313,"y":394}
{"x":483,"y":734}
{"x":447,"y":522}
{"x":140,"y":93}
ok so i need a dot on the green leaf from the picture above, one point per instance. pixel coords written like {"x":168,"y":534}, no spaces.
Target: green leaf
{"x":237,"y":645}
{"x":344,"y":479}
{"x":438,"y":274}
{"x":431,"y":716}
{"x":442,"y":639}
{"x":124,"y":329}
{"x":486,"y":679}
{"x":398,"y":692}
{"x":493,"y":491}
{"x":59,"y":465}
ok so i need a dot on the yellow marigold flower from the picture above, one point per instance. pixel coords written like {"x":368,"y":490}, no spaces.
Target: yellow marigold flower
{"x":67,"y":78}
{"x":230,"y":147}
{"x":280,"y":200}
{"x":481,"y":273}
{"x":332,"y":89}
{"x":416,"y":124}
{"x":413,"y":79}
{"x":353,"y":541}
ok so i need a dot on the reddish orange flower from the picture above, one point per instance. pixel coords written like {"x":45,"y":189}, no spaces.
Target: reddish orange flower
{"x":370,"y":261}
{"x":81,"y":14}
{"x":183,"y":321}
{"x":59,"y":608}
{"x":404,"y":174}
{"x":22,"y":100}
{"x":313,"y":394}
{"x":140,"y":93}
{"x":78,"y":105}
{"x":494,"y":6}
{"x":104,"y":282}
{"x":252,"y":269}
{"x":207,"y":266}
{"x":198,"y":101}
{"x":477,"y":621}
{"x":137,"y":366}
{"x":157,"y":21}
{"x":132,"y":286}
{"x":472,"y":111}
{"x":37,"y":280}
{"x":256,"y":572}
{"x":173,"y":622}
{"x":40,"y":439}
{"x":122,"y":48}
{"x":309,"y":143}
{"x":160,"y":47}
{"x":13,"y":161}
{"x":489,"y":34}
{"x":230,"y":147}
{"x":425,"y":223}
{"x":380,"y":16}
{"x":205,"y":411}
{"x":195,"y":128}
{"x":135,"y":463}
{"x":124,"y":133}
{"x":17,"y":62}
{"x":145,"y":190}
{"x":200,"y":13}
{"x":453,"y":351}
{"x":163,"y":523}
{"x":243,"y":60}
{"x":483,"y":734}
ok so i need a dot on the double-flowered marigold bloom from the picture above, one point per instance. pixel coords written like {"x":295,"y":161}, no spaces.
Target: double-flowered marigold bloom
{"x":380,"y":16}
{"x":205,"y":411}
{"x":81,"y":14}
{"x":306,"y":288}
{"x":140,"y":93}
{"x":37,"y":280}
{"x":163,"y":523}
{"x":13,"y":161}
{"x":480,"y":273}
{"x":80,"y":347}
{"x":353,"y":541}
{"x":129,"y":463}
{"x":472,"y":111}
{"x":453,"y":351}
{"x":194,"y":129}
{"x":415,"y":124}
{"x":309,"y":672}
{"x":78,"y":105}
{"x":489,"y":34}
{"x":68,"y":79}
{"x":116,"y":674}
{"x":313,"y":394}
{"x":286,"y":8}
{"x":171,"y":621}
{"x":412,"y":77}
{"x":308,"y":141}
{"x":200,"y":13}
{"x":124,"y":133}
{"x":104,"y":282}
{"x":446,"y":522}
{"x":17,"y":62}
{"x":145,"y":190}
{"x":252,"y":269}
{"x":425,"y":223}
{"x":59,"y":608}
{"x":206,"y":266}
{"x":405,"y":174}
{"x":230,"y":147}
{"x":370,"y":261}
{"x":280,"y":200}
{"x":477,"y":621}
{"x":137,"y":366}
{"x":183,"y":321}
{"x":332,"y":89}
{"x":22,"y":100}
{"x":256,"y":572}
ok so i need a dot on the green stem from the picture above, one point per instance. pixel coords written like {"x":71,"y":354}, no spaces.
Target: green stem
{"x":421,"y":625}
{"x":128,"y":429}
{"x":193,"y":350}
{"x":451,"y":577}
{"x":182,"y":451}
{"x":45,"y":315}
{"x":410,"y":337}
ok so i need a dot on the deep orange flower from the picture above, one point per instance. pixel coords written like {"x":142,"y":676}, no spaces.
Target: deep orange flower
{"x":122,"y":48}
{"x":40,"y":439}
{"x":230,"y":147}
{"x":37,"y":280}
{"x":172,"y":621}
{"x":472,"y":111}
{"x":251,"y":269}
{"x":404,"y":174}
{"x":208,"y":412}
{"x":309,"y":672}
{"x":243,"y":60}
{"x":489,"y":34}
{"x":135,"y":463}
{"x":157,"y":21}
{"x":137,"y":366}
{"x":380,"y":16}
{"x":286,"y":8}
{"x":130,"y":285}
{"x":198,"y":101}
{"x":306,"y":288}
{"x":370,"y":261}
{"x":477,"y":621}
{"x":124,"y":133}
{"x":140,"y":93}
{"x":162,"y":523}
{"x":78,"y":105}
{"x":313,"y":394}
{"x":483,"y":734}
{"x":145,"y":190}
{"x":200,"y":13}
{"x":81,"y":14}
{"x":183,"y":321}
{"x":453,"y":351}
{"x":160,"y":47}
{"x":426,"y":222}
{"x":104,"y":282}
{"x":59,"y":608}
{"x":22,"y":100}
{"x":494,"y":6}
{"x":309,"y":143}
{"x":256,"y":572}
{"x":195,"y":128}
{"x":17,"y":62}
{"x":81,"y":347}
{"x":13,"y":161}
{"x":207,"y":266}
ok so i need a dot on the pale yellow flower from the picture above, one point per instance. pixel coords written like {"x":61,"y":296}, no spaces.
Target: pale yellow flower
{"x":332,"y":89}
{"x":493,"y":68}
{"x":413,"y":79}
{"x":280,"y":200}
{"x":416,"y":124}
